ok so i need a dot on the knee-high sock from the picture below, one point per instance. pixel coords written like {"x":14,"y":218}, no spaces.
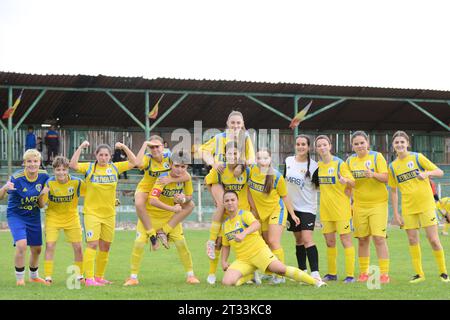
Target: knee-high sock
{"x":48,"y":268}
{"x":299,"y":275}
{"x":300,"y":252}
{"x":244,"y":279}
{"x":313,"y":258}
{"x":102,"y":261}
{"x":79,"y":264}
{"x":89,"y":262}
{"x":214,"y":230}
{"x":214,"y":263}
{"x":384,"y":266}
{"x":416,"y":257}
{"x":364,"y":264}
{"x":185,"y":255}
{"x":279,"y":253}
{"x":331,"y":257}
{"x":136,"y":257}
{"x":350,"y":261}
{"x":440,"y":260}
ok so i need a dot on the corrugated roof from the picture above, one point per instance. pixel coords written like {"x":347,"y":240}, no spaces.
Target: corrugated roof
{"x":74,"y":108}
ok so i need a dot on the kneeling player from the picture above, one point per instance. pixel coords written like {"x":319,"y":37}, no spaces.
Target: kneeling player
{"x":167,"y":207}
{"x":252,"y":253}
{"x":62,"y":192}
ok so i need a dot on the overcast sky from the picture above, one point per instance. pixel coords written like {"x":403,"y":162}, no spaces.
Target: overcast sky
{"x":404,"y":44}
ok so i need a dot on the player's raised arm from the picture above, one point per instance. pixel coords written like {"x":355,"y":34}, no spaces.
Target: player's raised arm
{"x":73,"y":164}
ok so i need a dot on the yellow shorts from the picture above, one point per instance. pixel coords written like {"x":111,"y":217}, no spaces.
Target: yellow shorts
{"x":277,"y":217}
{"x":370,"y":221}
{"x":421,"y":219}
{"x":73,"y":233}
{"x":157,"y":223}
{"x":97,"y":228}
{"x":260,"y":261}
{"x":341,"y":227}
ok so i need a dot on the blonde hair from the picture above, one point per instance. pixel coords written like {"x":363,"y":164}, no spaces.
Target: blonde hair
{"x":156,"y":137}
{"x":30,"y":153}
{"x":322,"y":136}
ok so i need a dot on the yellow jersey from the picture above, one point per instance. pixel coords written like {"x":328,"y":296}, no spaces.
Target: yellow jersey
{"x":368,"y":191}
{"x":417,"y":195}
{"x":62,"y":198}
{"x":153,"y":169}
{"x":265,"y":203}
{"x":230,"y":182}
{"x":165,"y":194}
{"x":334,"y":203}
{"x":252,"y":243}
{"x":216,"y":146}
{"x":101,"y":185}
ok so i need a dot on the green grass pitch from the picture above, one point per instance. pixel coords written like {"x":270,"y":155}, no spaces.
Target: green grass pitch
{"x":162,"y":276}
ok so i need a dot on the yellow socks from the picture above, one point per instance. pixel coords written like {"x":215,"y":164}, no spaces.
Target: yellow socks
{"x":89,"y":261}
{"x":185,"y":254}
{"x":102,"y":261}
{"x":279,"y":253}
{"x":350,"y":261}
{"x":299,"y":275}
{"x":214,"y":263}
{"x":384,"y":266}
{"x":214,"y":230}
{"x":416,"y":256}
{"x":79,"y":264}
{"x":440,"y":260}
{"x":332,"y":264}
{"x":48,"y":268}
{"x":136,"y":257}
{"x":244,"y":280}
{"x":364,"y":264}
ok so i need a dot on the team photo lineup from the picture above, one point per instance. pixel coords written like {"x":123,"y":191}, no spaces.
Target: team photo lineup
{"x":254,"y":204}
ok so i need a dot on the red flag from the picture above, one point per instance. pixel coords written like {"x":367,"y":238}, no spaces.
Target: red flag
{"x":299,"y":117}
{"x":154,"y":112}
{"x":10,"y":111}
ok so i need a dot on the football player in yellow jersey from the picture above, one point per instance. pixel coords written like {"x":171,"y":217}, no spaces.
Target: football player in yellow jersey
{"x":443,"y":208}
{"x":62,"y":192}
{"x":268,"y":192}
{"x":370,"y":204}
{"x":228,"y":181}
{"x":335,"y":210}
{"x":410,"y":173}
{"x":153,"y":164}
{"x":167,"y":207}
{"x":99,"y":206}
{"x":252,"y":253}
{"x":213,"y":153}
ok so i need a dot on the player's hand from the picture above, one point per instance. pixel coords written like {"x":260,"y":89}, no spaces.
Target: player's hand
{"x":9,"y":186}
{"x":296,"y":219}
{"x":225,"y":266}
{"x":119,"y":145}
{"x":177,"y":208}
{"x":84,"y":145}
{"x":44,"y":191}
{"x":399,"y":220}
{"x":342,"y":180}
{"x":220,"y":167}
{"x":368,"y":173}
{"x":240,"y":237}
{"x":179,"y":198}
{"x":422,"y":175}
{"x":348,"y":191}
{"x":165,"y":180}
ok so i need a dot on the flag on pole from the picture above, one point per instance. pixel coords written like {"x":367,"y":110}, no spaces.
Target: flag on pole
{"x":10,"y":111}
{"x":154,"y":112}
{"x":299,"y":117}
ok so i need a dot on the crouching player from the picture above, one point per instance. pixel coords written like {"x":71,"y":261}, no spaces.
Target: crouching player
{"x":241,"y":233}
{"x":167,"y":207}
{"x":62,"y":192}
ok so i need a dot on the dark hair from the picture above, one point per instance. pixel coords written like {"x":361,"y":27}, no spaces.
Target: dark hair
{"x":231,"y":191}
{"x":400,"y":134}
{"x":97,"y":150}
{"x":60,"y":161}
{"x":179,"y":158}
{"x":314,"y":178}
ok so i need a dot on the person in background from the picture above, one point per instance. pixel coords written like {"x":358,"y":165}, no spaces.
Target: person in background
{"x":30,"y":140}
{"x":52,"y":142}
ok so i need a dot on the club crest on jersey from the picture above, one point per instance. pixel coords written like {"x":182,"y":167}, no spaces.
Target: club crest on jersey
{"x":70,"y":190}
{"x":89,"y":234}
{"x":237,"y":225}
{"x":109,"y":171}
{"x":368,"y":163}
{"x":410,"y":164}
{"x":166,"y":165}
{"x":240,"y":179}
{"x":39,"y":187}
{"x":330,"y":170}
